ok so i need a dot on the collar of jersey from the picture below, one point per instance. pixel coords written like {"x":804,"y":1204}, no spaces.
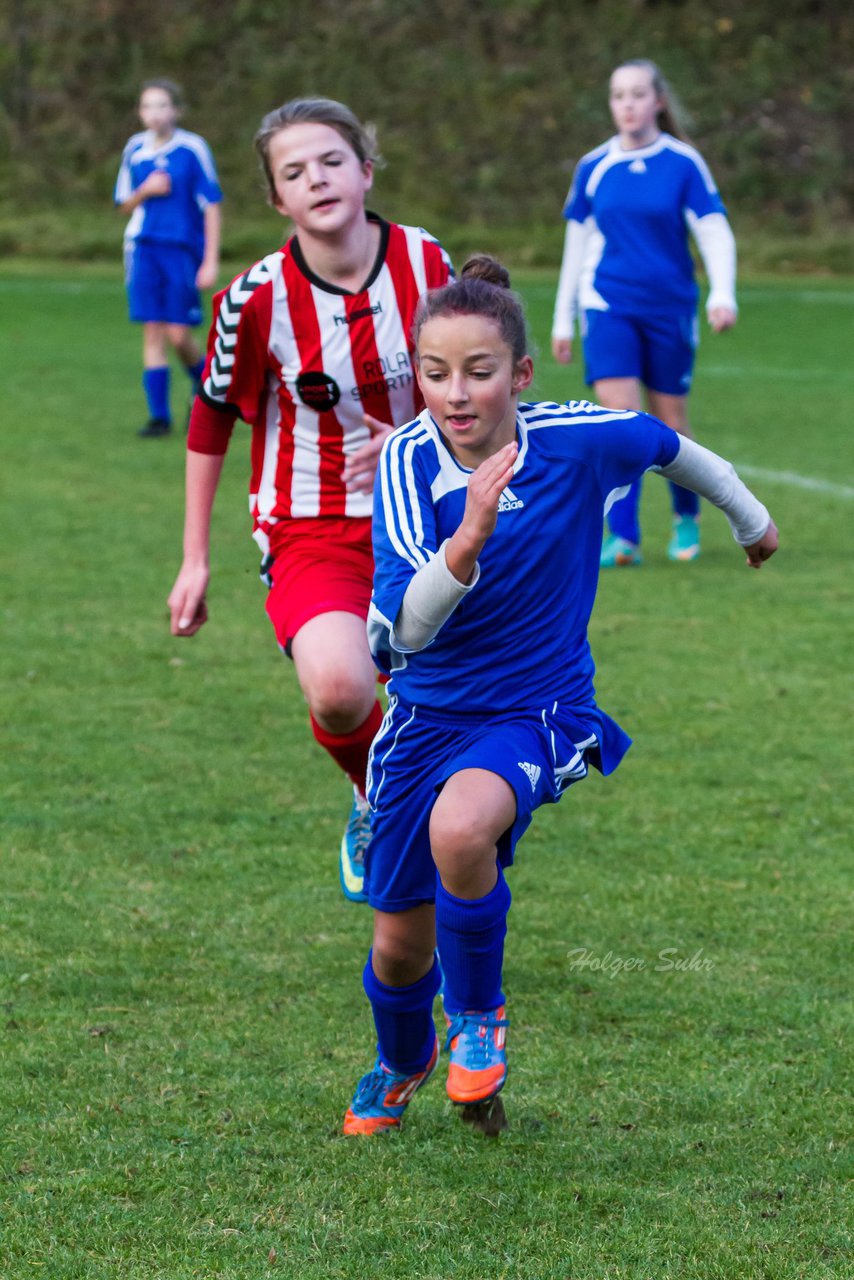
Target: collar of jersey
{"x":320,"y":283}
{"x":147,"y":149}
{"x":639,"y":153}
{"x":521,"y":432}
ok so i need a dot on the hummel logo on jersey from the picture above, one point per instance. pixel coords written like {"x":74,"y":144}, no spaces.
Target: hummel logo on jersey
{"x":361,"y":314}
{"x":637,"y":166}
{"x":509,"y":502}
{"x":533,"y":772}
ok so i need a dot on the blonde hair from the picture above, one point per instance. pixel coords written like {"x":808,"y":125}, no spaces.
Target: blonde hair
{"x":670,"y":114}
{"x":361,"y":138}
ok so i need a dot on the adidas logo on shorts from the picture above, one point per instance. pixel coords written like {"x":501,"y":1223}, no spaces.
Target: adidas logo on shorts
{"x":533,"y":772}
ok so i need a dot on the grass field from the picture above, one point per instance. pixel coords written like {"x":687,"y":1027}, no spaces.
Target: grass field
{"x":183,"y":1019}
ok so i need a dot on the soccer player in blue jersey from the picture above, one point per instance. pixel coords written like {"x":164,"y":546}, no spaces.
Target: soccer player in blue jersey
{"x":627,"y":268}
{"x":487,"y":530}
{"x":168,"y":184}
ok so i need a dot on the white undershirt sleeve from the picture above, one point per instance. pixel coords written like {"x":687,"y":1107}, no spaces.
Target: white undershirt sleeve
{"x":566,"y":305}
{"x":431,"y":597}
{"x":716,"y":243}
{"x":697,"y":468}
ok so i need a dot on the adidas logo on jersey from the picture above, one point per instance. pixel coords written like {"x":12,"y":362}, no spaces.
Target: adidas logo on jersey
{"x":637,"y":166}
{"x":509,"y":502}
{"x":532,"y":771}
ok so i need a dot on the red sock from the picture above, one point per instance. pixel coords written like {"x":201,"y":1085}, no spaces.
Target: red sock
{"x":350,"y":750}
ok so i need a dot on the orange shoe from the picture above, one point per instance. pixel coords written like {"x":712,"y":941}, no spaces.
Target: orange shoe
{"x":478,"y":1059}
{"x":382,"y":1096}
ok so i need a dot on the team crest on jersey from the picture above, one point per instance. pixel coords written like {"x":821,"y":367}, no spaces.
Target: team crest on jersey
{"x":318,"y":391}
{"x":637,"y":166}
{"x":509,"y":502}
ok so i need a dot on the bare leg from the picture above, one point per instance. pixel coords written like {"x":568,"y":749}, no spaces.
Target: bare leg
{"x":335,"y":670}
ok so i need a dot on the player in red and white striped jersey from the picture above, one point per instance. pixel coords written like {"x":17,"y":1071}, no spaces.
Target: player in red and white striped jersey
{"x":311,"y":346}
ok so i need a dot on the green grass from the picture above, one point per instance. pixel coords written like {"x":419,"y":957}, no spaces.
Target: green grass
{"x":182,"y":1019}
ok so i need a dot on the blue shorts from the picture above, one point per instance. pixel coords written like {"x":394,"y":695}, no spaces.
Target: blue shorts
{"x":539,"y":753}
{"x":161,"y":283}
{"x":658,"y":350}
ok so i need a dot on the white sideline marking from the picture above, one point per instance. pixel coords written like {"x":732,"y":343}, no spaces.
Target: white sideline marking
{"x":796,"y":481}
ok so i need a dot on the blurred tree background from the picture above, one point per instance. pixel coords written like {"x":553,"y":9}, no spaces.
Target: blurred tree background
{"x":482,"y":106}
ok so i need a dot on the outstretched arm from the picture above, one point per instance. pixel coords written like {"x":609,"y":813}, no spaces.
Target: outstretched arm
{"x":187,"y":608}
{"x":712,"y":477}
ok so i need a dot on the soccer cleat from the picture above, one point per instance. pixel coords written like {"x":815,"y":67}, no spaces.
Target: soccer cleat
{"x":618,"y":552}
{"x":354,"y":844}
{"x":685,"y":542}
{"x":478,"y":1059}
{"x":155,"y":427}
{"x":382,"y":1096}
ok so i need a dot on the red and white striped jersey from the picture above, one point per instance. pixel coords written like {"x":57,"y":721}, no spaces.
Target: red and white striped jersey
{"x":301,"y":360}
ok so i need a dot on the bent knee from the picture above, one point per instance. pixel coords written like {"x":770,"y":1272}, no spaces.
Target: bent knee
{"x":399,"y":962}
{"x":457,"y":836}
{"x":340,"y":701}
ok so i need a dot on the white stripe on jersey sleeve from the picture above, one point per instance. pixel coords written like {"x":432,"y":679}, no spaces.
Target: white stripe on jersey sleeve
{"x":400,"y":495}
{"x":685,"y":149}
{"x":200,"y":149}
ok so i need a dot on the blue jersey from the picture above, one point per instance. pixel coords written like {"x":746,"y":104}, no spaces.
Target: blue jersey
{"x":639,"y":206}
{"x":177,"y":218}
{"x":518,"y":639}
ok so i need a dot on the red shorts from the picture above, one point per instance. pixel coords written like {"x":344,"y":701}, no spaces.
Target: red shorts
{"x":321,"y":565}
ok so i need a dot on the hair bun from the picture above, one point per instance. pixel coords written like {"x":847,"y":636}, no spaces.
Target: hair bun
{"x":480,"y":266}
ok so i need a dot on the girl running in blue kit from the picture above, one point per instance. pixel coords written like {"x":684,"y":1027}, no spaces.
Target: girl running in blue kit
{"x":487,"y":529}
{"x":168,"y":184}
{"x":627,"y":268}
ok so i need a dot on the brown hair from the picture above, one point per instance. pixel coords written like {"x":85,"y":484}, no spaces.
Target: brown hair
{"x":483,"y":289}
{"x":361,"y":138}
{"x":168,"y":86}
{"x":670,"y":113}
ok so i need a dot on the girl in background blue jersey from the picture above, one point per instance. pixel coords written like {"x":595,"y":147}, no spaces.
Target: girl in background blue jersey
{"x":168,"y":184}
{"x":487,"y":532}
{"x":628,"y":269}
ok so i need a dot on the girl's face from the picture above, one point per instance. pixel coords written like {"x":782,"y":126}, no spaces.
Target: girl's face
{"x":158,"y":112}
{"x":634,"y":104}
{"x":470,"y":384}
{"x":320,"y":182}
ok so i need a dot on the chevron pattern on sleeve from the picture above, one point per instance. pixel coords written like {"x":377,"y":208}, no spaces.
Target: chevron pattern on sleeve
{"x":219,"y":377}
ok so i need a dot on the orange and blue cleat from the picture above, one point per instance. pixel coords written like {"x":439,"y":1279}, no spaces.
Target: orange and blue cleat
{"x":382,"y":1096}
{"x":478,"y":1059}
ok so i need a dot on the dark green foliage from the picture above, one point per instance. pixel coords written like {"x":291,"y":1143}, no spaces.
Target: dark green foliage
{"x":483,"y":106}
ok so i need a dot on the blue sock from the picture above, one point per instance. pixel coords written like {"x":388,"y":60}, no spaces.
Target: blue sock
{"x":623,"y":516}
{"x":194,"y":373}
{"x":156,"y":386}
{"x":470,"y":938}
{"x":403,"y":1017}
{"x":685,"y":501}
